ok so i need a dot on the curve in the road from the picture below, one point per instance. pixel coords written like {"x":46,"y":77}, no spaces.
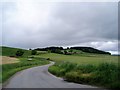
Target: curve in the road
{"x":39,"y":77}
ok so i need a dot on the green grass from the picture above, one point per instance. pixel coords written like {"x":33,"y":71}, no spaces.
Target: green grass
{"x":0,"y":51}
{"x":84,"y":59}
{"x":74,"y":51}
{"x":9,"y":69}
{"x":9,"y":51}
{"x":104,"y":75}
{"x":41,"y":52}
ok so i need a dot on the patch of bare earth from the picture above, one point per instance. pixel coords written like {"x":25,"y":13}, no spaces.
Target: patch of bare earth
{"x":8,"y":60}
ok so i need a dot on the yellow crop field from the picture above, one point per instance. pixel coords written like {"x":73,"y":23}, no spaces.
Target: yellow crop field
{"x":8,"y":60}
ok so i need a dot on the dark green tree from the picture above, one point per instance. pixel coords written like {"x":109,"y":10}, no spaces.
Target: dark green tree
{"x":65,"y":52}
{"x":49,"y":51}
{"x":68,"y":48}
{"x":19,"y":52}
{"x":30,"y":49}
{"x":33,"y":52}
{"x":58,"y":51}
{"x":71,"y":50}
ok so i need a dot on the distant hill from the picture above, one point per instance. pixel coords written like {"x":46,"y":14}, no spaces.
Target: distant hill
{"x":90,"y":50}
{"x":81,"y":49}
{"x":10,"y":51}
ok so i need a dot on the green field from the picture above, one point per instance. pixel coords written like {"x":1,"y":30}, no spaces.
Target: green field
{"x":84,"y":59}
{"x":9,"y":51}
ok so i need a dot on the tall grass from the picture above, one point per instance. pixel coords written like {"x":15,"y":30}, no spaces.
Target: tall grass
{"x":104,"y":75}
{"x":84,"y":59}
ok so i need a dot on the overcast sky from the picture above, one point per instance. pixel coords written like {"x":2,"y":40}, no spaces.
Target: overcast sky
{"x":31,"y":24}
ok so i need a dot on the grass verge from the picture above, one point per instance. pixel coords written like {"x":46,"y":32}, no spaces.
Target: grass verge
{"x":104,"y":75}
{"x":9,"y":69}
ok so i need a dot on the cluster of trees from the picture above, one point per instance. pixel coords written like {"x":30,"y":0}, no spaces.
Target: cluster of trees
{"x":84,"y":49}
{"x":20,"y":52}
{"x":51,"y":49}
{"x":60,"y":50}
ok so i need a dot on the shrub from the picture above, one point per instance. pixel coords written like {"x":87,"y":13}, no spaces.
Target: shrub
{"x":65,"y":52}
{"x":33,"y":52}
{"x":19,"y":52}
{"x":48,"y":58}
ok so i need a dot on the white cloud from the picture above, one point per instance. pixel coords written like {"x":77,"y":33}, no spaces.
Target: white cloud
{"x":109,"y":46}
{"x":114,"y":52}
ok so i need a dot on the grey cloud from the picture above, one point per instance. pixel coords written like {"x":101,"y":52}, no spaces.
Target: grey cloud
{"x":67,"y":24}
{"x":97,"y":20}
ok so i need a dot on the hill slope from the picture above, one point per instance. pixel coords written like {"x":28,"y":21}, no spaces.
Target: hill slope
{"x":74,"y":49}
{"x":9,"y":51}
{"x":90,"y":50}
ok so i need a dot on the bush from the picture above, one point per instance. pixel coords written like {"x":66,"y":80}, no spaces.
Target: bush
{"x":33,"y":52}
{"x":65,"y":52}
{"x":19,"y":52}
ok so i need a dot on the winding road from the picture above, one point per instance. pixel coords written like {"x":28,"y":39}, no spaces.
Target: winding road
{"x":39,"y":77}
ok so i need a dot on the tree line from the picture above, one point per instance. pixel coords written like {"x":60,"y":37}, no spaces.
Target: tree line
{"x":60,"y":49}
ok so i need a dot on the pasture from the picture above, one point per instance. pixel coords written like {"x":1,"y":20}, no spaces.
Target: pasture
{"x":9,"y":51}
{"x":93,"y":59}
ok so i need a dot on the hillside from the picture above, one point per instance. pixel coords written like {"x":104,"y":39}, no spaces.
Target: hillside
{"x":72,"y":50}
{"x":9,"y":51}
{"x":90,"y":50}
